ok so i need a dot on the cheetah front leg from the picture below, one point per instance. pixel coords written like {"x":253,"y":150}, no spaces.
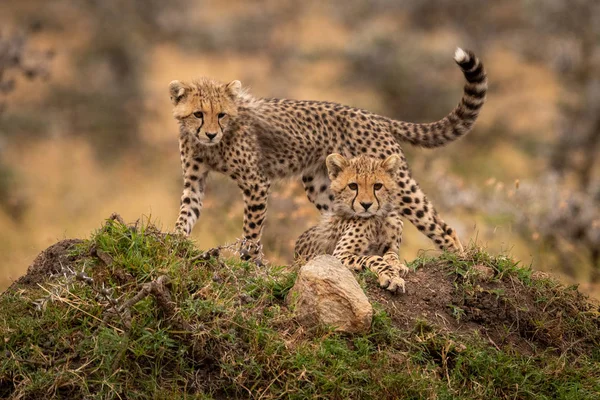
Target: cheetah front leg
{"x":194,"y":181}
{"x":420,"y":212}
{"x":392,"y":234}
{"x":256,"y":192}
{"x":349,"y":251}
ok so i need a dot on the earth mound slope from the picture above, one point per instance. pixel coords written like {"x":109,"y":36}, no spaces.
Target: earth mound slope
{"x":136,"y":313}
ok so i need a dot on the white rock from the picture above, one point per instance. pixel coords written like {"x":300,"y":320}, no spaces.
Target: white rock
{"x":326,"y":292}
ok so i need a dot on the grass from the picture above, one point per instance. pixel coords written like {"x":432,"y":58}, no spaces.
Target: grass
{"x":242,"y":341}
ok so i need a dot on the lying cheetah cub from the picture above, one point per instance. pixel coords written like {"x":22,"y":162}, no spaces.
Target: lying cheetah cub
{"x":364,"y":228}
{"x":256,"y":141}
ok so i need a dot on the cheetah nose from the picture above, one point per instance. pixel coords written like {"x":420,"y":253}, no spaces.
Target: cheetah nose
{"x":366,"y":205}
{"x":211,"y":136}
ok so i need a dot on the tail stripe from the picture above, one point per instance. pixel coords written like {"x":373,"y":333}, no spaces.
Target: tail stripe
{"x":476,"y":76}
{"x":467,"y":65}
{"x":474,"y":92}
{"x":471,"y":105}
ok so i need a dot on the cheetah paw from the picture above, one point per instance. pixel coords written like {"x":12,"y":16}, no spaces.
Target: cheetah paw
{"x":402,"y":269}
{"x":179,"y":231}
{"x":394,"y":284}
{"x":455,"y":245}
{"x":396,"y":264}
{"x":250,"y":251}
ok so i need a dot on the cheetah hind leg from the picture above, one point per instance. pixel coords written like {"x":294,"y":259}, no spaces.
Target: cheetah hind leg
{"x":421,"y":213}
{"x":457,"y":244}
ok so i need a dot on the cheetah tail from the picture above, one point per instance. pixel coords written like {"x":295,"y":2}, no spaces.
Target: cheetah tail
{"x":461,"y":119}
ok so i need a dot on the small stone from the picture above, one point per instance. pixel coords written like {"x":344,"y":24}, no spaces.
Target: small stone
{"x":105,"y":257}
{"x":326,"y":293}
{"x":246,"y":299}
{"x":486,"y":273}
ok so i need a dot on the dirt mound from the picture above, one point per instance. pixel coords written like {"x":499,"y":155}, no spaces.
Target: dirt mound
{"x":527,"y":314}
{"x":146,"y":312}
{"x":497,"y":305}
{"x":429,"y":292}
{"x":51,"y":261}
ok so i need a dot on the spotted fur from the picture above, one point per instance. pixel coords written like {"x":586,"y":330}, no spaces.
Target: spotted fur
{"x":364,"y":228}
{"x":255,"y":141}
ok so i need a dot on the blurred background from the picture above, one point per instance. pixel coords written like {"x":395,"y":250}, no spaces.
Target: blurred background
{"x":86,"y":126}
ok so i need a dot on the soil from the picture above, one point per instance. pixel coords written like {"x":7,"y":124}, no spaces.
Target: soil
{"x":428,"y":295}
{"x":505,"y":312}
{"x":48,"y":262}
{"x":431,"y":297}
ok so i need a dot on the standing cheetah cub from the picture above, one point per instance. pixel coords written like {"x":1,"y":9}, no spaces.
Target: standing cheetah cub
{"x":255,"y":141}
{"x":364,"y":228}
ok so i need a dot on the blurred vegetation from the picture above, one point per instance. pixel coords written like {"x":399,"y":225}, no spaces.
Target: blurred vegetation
{"x":97,"y":136}
{"x":16,"y":60}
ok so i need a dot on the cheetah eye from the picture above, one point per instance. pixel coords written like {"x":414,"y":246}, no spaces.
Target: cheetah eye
{"x":353,"y":186}
{"x":377,"y":186}
{"x":221,"y":115}
{"x":199,"y":114}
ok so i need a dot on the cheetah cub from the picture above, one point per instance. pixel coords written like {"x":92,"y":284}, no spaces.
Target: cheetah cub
{"x":256,"y":141}
{"x":363,"y":228}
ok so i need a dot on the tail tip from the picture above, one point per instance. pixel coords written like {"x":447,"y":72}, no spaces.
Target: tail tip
{"x":461,"y":56}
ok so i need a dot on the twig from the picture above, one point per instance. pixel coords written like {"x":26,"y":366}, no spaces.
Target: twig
{"x":492,"y":342}
{"x":158,"y":288}
{"x":104,"y":292}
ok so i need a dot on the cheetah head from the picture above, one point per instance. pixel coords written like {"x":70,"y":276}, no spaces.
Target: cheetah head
{"x":205,"y":108}
{"x":362,"y":186}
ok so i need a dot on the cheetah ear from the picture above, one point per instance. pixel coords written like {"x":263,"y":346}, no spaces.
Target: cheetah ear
{"x":178,"y":91}
{"x":391,"y":164}
{"x":335,"y":164}
{"x":234,"y":88}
